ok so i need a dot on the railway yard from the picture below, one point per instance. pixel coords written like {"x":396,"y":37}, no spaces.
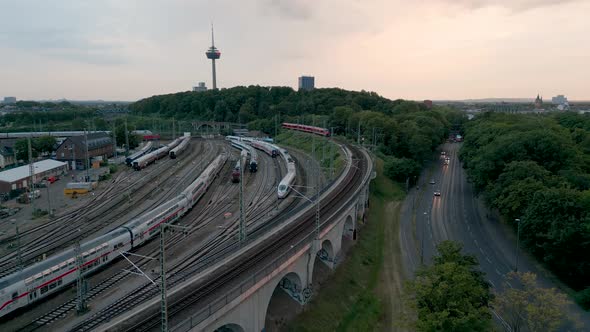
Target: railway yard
{"x":210,"y":233}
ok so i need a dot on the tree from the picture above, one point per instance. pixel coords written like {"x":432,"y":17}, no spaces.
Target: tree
{"x":529,"y":307}
{"x":21,"y":147}
{"x":452,"y":294}
{"x":45,"y":144}
{"x":120,"y":132}
{"x":399,"y":169}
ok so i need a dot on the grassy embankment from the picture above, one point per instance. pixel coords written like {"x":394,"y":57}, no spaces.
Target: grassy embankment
{"x":303,"y":141}
{"x":351,"y":300}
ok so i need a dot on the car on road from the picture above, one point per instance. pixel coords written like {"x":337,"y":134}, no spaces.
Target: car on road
{"x":443,"y":153}
{"x":437,"y":193}
{"x":432,"y":181}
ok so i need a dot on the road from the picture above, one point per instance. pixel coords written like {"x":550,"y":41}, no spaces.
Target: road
{"x":458,"y":215}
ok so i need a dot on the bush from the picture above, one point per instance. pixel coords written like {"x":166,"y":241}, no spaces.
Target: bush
{"x":113,"y":168}
{"x":104,"y":177}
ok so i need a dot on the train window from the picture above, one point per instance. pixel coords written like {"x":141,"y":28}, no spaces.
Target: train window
{"x":44,"y":290}
{"x":30,"y":296}
{"x":39,"y":276}
{"x":59,"y":282}
{"x":52,"y":285}
{"x":28,"y":281}
{"x":14,"y":295}
{"x":85,"y":254}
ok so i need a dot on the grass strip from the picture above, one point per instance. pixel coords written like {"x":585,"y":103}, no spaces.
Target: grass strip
{"x":348,"y":301}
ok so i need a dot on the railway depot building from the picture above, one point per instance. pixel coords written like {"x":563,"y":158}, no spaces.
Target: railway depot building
{"x":73,"y":149}
{"x":19,"y":178}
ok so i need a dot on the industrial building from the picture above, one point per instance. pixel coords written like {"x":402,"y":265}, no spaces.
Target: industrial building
{"x":200,"y":87}
{"x":9,"y":100}
{"x":306,"y":83}
{"x":20,"y":177}
{"x":73,"y":149}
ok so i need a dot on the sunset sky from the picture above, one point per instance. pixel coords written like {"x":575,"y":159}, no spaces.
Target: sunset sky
{"x":424,"y":49}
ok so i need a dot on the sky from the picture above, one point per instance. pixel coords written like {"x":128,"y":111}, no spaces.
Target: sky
{"x":421,"y":49}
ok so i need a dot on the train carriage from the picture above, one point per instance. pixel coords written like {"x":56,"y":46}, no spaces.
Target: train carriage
{"x":308,"y":129}
{"x":43,"y":279}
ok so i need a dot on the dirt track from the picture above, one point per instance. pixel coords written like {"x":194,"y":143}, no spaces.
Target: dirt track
{"x":392,"y":278}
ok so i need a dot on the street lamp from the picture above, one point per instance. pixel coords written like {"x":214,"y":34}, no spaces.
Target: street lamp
{"x":517,"y":243}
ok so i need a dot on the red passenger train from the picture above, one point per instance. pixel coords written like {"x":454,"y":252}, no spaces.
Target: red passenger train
{"x":308,"y":129}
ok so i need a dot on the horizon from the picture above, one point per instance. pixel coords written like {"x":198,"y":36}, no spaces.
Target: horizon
{"x":435,"y":49}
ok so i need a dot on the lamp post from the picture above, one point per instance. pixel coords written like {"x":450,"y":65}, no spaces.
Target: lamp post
{"x":517,"y":243}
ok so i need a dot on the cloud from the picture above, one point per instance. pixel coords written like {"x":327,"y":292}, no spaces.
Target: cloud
{"x":74,"y":31}
{"x":292,"y":9}
{"x":515,"y":5}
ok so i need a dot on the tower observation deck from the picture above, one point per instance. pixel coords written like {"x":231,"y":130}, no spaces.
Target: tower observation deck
{"x":213,"y":54}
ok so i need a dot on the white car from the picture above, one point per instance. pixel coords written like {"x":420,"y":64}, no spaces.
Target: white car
{"x":437,"y":193}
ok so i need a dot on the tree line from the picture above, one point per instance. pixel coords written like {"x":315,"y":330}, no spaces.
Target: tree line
{"x":452,"y":294}
{"x":535,"y":171}
{"x":404,"y":132}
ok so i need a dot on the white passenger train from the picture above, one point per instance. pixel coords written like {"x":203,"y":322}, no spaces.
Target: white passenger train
{"x":185,"y":140}
{"x":145,"y":149}
{"x":252,"y":155}
{"x":287,"y":181}
{"x":272,"y":150}
{"x":143,"y":161}
{"x":42,"y":279}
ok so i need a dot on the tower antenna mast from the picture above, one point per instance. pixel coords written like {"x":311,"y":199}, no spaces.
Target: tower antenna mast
{"x":213,"y":54}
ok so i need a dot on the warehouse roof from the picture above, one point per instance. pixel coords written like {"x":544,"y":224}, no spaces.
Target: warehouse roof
{"x":19,"y":173}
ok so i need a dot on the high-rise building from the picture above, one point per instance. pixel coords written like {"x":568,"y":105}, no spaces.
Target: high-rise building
{"x":213,"y":54}
{"x":200,"y":88}
{"x":559,"y":100}
{"x":306,"y":83}
{"x":9,"y":100}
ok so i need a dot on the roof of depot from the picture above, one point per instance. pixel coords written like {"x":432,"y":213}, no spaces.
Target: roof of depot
{"x":22,"y":172}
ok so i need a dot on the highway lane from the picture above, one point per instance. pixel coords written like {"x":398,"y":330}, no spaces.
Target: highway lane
{"x":460,"y":216}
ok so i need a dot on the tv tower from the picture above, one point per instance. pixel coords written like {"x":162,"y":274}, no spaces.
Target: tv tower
{"x":213,"y":53}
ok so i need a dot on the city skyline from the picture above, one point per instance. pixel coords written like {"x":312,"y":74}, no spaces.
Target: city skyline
{"x":435,"y":49}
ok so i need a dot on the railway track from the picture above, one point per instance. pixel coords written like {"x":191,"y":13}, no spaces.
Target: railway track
{"x":265,"y":254}
{"x":48,"y":242}
{"x":228,"y":274}
{"x":211,"y":212}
